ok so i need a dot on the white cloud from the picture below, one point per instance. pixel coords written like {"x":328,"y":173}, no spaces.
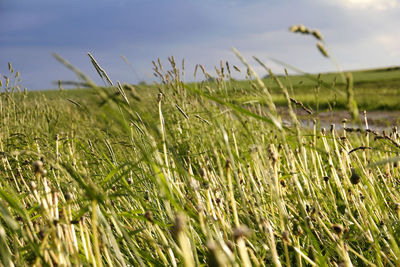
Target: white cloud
{"x":390,"y":43}
{"x":368,"y":4}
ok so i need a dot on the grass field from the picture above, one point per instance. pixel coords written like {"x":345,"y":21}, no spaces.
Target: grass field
{"x":328,"y":90}
{"x":190,"y":175}
{"x":375,"y":89}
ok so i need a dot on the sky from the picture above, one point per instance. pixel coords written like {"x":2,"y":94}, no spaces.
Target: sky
{"x":359,"y":34}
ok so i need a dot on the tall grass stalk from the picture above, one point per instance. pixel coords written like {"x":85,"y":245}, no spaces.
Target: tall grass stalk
{"x":103,"y":177}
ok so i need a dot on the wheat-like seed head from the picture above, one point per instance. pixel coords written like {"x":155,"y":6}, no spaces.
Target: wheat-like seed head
{"x":317,"y":34}
{"x":322,"y":49}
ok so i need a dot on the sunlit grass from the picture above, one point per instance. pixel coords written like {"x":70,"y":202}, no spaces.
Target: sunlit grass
{"x":186,"y":176}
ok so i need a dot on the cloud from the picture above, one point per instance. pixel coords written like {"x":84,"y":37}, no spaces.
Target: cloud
{"x":360,"y":33}
{"x":390,"y":43}
{"x":379,"y":5}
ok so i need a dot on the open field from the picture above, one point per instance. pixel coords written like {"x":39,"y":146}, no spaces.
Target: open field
{"x":191,"y":175}
{"x":374,"y":90}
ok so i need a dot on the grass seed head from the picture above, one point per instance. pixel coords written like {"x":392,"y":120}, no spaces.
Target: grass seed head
{"x":303,"y":29}
{"x":179,"y":224}
{"x":149,"y":216}
{"x":300,"y":29}
{"x":68,"y":196}
{"x":160,"y":96}
{"x":38,"y":166}
{"x":322,"y":49}
{"x":285,"y":236}
{"x":337,"y":228}
{"x":355,"y":177}
{"x":43,"y":172}
{"x":294,"y":28}
{"x":227,"y":67}
{"x":227,"y":164}
{"x":41,"y":234}
{"x":241,"y":232}
{"x":202,"y":172}
{"x":199,"y":208}
{"x":316,"y":33}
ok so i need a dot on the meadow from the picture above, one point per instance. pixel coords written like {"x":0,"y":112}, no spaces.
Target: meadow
{"x":199,"y":174}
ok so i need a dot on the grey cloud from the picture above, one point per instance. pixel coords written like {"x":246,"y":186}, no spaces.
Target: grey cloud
{"x":201,"y":32}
